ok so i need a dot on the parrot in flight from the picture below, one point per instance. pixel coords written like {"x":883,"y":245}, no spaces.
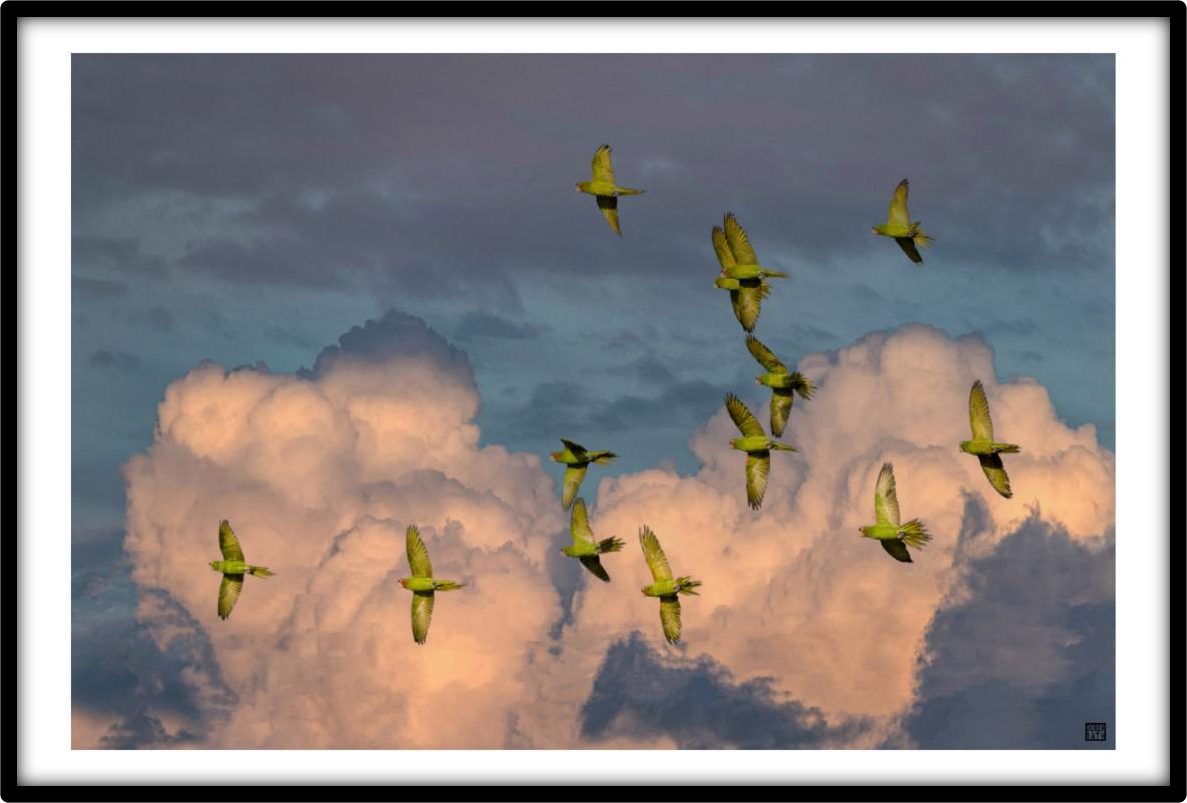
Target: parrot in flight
{"x":604,"y":189}
{"x":233,"y":567}
{"x":585,"y":547}
{"x":893,"y":536}
{"x":422,"y":585}
{"x":899,"y":226}
{"x":665,"y":587}
{"x":783,"y":384}
{"x":740,"y":272}
{"x":577,"y":460}
{"x":757,"y":446}
{"x":983,"y":446}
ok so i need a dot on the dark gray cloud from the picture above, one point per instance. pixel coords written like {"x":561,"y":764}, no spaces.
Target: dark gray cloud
{"x":1027,"y":658}
{"x":96,"y":289}
{"x":697,"y":703}
{"x":479,"y":324}
{"x":122,"y":360}
{"x":117,"y":670}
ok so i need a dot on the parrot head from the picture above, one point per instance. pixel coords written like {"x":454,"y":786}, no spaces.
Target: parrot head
{"x":964,"y":445}
{"x":404,"y":582}
{"x":556,"y":456}
{"x":214,"y":565}
{"x":580,"y":186}
{"x":863,"y":530}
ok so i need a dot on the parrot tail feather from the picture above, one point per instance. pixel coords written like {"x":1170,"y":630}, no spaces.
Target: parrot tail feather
{"x":626,"y":191}
{"x":447,"y":585}
{"x":1007,"y":448}
{"x":918,"y":237}
{"x":802,"y":385}
{"x":685,"y":585}
{"x":260,"y":571}
{"x":602,"y":458}
{"x":914,"y":534}
{"x":609,"y":545}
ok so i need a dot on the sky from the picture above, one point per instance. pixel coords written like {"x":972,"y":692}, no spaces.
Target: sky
{"x":323,"y":295}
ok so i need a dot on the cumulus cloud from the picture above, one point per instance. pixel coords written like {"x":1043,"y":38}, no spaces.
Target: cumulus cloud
{"x":802,"y":628}
{"x":320,"y":474}
{"x":792,"y":594}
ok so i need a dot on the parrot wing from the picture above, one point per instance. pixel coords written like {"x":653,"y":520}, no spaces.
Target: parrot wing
{"x":422,"y":614}
{"x":886,"y":497}
{"x":991,"y":464}
{"x":576,"y":448}
{"x":654,"y":553}
{"x":602,"y":171}
{"x":743,"y":418}
{"x":758,"y":465}
{"x":609,"y":206}
{"x":908,"y":246}
{"x":979,"y":418}
{"x":573,"y":477}
{"x":669,"y":617}
{"x":738,"y":241}
{"x":595,"y":567}
{"x":418,"y":556}
{"x":228,"y":593}
{"x":896,"y":549}
{"x":898,"y":207}
{"x":780,"y":410}
{"x":724,"y":256}
{"x":228,"y":544}
{"x":766,"y":358}
{"x":579,"y":523}
{"x":747,"y":303}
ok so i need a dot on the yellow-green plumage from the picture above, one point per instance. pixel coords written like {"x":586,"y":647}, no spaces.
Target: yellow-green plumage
{"x":422,"y":585}
{"x":604,"y":188}
{"x":585,"y":546}
{"x":665,"y":587}
{"x":234,"y":568}
{"x":757,"y":446}
{"x":741,"y":274}
{"x":893,"y":536}
{"x":898,"y":225}
{"x":577,"y":459}
{"x":982,"y":445}
{"x":784,"y":384}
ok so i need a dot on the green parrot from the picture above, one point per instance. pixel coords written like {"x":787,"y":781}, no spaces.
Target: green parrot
{"x":233,"y":568}
{"x":983,"y":445}
{"x":584,"y":547}
{"x":757,"y":446}
{"x":783,"y":384}
{"x":740,"y":272}
{"x":899,"y":226}
{"x":422,"y":585}
{"x":735,"y":254}
{"x":664,"y":586}
{"x":577,"y":461}
{"x":893,"y":536}
{"x":604,"y":188}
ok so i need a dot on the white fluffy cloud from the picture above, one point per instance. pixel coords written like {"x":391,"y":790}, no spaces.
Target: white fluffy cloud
{"x":320,"y":473}
{"x":792,"y":592}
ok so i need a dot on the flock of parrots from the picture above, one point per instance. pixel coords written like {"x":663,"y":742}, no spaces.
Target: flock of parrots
{"x":746,"y":281}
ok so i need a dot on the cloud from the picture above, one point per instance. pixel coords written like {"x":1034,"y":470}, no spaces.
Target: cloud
{"x":792,"y":594}
{"x":320,"y":474}
{"x":122,"y":360}
{"x":804,"y":634}
{"x":478,"y":324}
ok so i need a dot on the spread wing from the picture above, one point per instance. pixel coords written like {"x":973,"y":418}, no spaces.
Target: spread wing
{"x":886,"y":497}
{"x":576,"y":448}
{"x":758,"y":465}
{"x":228,"y":544}
{"x":979,"y":418}
{"x":654,"y":554}
{"x":780,"y":409}
{"x":669,"y":617}
{"x":766,"y":358}
{"x":908,"y":246}
{"x":898,"y":207}
{"x":991,"y":464}
{"x":896,"y":549}
{"x":602,"y":171}
{"x":609,"y":206}
{"x":579,"y":523}
{"x":422,"y":614}
{"x":228,"y":593}
{"x":724,"y":256}
{"x":418,"y":556}
{"x":747,"y":303}
{"x":573,"y":477}
{"x":594,"y":565}
{"x":738,"y":241}
{"x":743,"y":418}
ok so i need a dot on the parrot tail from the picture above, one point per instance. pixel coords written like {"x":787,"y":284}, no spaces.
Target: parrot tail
{"x":918,"y":237}
{"x":447,"y":585}
{"x":260,"y":571}
{"x":625,"y":191}
{"x":913,"y":533}
{"x":685,"y":585}
{"x":783,"y":447}
{"x":609,"y":545}
{"x":602,"y":458}
{"x":802,"y":385}
{"x":1006,"y":448}
{"x":776,"y":273}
